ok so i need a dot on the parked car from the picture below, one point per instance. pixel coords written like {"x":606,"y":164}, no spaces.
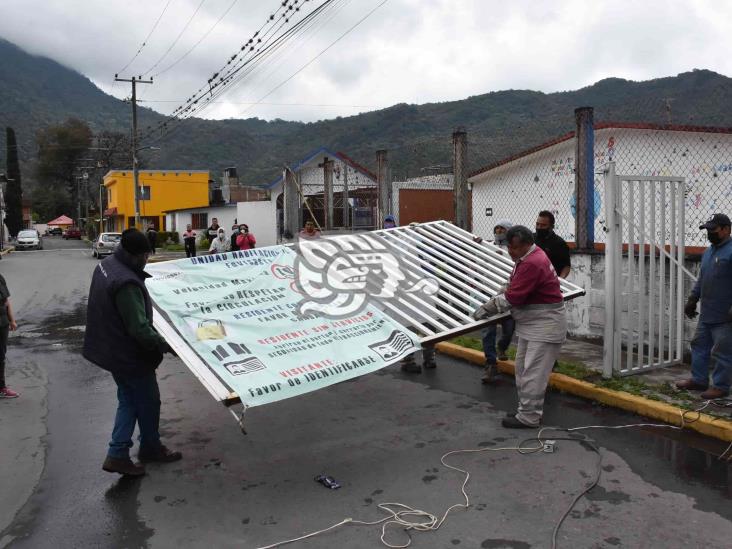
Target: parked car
{"x":72,"y":232}
{"x":29,"y":240}
{"x":105,"y":244}
{"x":54,"y":231}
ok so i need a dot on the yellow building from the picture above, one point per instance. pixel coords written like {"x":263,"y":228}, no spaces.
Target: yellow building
{"x":160,"y":191}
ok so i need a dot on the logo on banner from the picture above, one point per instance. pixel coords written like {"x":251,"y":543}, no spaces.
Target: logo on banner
{"x":339,"y":277}
{"x":246,"y":366}
{"x":397,"y":344}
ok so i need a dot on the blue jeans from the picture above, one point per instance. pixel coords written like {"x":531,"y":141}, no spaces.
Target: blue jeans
{"x":712,"y":346}
{"x":489,"y":339}
{"x":138,"y":402}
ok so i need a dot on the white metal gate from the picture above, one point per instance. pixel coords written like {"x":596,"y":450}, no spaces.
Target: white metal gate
{"x":644,"y":272}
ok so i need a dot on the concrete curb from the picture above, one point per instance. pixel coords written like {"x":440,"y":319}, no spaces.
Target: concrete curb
{"x":705,"y":424}
{"x":7,"y":250}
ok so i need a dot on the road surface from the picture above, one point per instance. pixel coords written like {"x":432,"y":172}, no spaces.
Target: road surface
{"x":381,"y":436}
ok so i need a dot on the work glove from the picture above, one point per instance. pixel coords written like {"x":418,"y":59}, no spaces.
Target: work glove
{"x":486,"y":310}
{"x":690,"y":307}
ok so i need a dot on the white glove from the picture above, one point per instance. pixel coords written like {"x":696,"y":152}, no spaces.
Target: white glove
{"x":486,"y":310}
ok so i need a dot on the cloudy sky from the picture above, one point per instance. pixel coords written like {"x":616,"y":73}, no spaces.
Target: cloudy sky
{"x":407,"y":51}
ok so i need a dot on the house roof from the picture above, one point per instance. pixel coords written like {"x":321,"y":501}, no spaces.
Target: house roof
{"x":61,"y":220}
{"x":324,"y":150}
{"x":199,"y":208}
{"x":601,"y":126}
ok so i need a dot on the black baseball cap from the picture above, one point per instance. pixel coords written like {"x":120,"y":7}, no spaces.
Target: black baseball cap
{"x":717,"y":220}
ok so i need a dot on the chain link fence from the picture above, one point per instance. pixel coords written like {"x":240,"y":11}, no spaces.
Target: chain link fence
{"x":518,"y":188}
{"x":702,"y":156}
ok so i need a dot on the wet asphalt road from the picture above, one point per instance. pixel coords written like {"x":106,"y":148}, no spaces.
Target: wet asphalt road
{"x":380,"y":435}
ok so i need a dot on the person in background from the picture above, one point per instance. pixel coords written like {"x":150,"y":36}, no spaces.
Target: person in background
{"x":536,"y":303}
{"x":234,"y":234}
{"x":213,"y":231}
{"x":7,"y":324}
{"x":220,"y":244}
{"x":389,"y":222}
{"x":152,"y":237}
{"x":553,"y":245}
{"x":309,"y":232}
{"x":189,"y":241}
{"x":245,"y":240}
{"x":507,"y":325}
{"x":409,"y":362}
{"x":120,"y":338}
{"x":713,"y":338}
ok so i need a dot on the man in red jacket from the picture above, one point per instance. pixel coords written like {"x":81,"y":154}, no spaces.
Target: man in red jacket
{"x":535,"y":300}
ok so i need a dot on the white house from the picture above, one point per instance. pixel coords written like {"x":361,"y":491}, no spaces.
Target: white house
{"x":542,"y":178}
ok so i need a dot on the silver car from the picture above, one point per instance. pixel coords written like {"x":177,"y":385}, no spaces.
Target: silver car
{"x":105,"y":244}
{"x":29,"y":239}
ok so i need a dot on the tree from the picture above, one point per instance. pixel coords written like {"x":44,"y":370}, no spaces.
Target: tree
{"x":62,"y":149}
{"x":13,"y":190}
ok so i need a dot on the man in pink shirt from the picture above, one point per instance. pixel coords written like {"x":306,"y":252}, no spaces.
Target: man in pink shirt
{"x":535,"y":300}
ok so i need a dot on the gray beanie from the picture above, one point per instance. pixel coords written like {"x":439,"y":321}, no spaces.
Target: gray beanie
{"x":503,"y":223}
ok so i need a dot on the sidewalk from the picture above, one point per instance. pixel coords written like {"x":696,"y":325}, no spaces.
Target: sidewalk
{"x":651,"y":394}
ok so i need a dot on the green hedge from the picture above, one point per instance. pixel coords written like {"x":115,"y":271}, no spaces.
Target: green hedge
{"x":163,"y":237}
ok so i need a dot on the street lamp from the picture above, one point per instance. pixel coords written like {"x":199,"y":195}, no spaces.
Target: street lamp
{"x":136,"y":182}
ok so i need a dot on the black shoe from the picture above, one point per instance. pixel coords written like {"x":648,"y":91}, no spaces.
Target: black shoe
{"x":429,"y":364}
{"x":123,"y":466}
{"x":502,"y":354}
{"x":411,"y":367}
{"x":513,"y":423}
{"x":511,"y":414}
{"x":162,"y":454}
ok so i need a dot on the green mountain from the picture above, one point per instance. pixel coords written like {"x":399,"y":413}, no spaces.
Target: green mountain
{"x":37,"y":92}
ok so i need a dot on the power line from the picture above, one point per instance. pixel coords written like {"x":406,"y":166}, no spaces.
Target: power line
{"x":209,"y":31}
{"x":271,"y":104}
{"x":148,"y":71}
{"x":144,"y":42}
{"x":253,"y":48}
{"x":306,"y":65}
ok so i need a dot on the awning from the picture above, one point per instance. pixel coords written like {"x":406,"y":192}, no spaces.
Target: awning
{"x":61,"y":220}
{"x":110,"y":212}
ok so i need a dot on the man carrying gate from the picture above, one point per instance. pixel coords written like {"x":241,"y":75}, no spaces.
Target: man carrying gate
{"x":535,"y":300}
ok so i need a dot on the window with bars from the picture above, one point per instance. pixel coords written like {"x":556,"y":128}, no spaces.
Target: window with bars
{"x":199,"y":220}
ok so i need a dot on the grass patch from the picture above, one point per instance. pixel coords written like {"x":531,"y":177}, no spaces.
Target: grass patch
{"x":469,"y":342}
{"x":174,"y":248}
{"x":575,"y":370}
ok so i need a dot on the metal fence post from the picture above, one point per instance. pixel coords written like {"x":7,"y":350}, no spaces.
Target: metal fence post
{"x":584,"y":179}
{"x":460,"y":160}
{"x":612,"y":264}
{"x":383,"y":184}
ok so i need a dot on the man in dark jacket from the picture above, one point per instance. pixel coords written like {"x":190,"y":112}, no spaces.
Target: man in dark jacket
{"x":120,"y":339}
{"x":553,"y":245}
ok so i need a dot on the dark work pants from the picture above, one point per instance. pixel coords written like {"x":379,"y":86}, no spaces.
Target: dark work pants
{"x":138,"y":402}
{"x":3,"y":349}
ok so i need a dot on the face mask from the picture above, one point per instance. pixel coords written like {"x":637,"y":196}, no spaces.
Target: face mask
{"x":714,"y":238}
{"x":389,"y":225}
{"x":543,"y":233}
{"x":500,"y":238}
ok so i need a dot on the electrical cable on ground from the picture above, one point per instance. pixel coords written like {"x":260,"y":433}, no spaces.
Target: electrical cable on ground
{"x":410,"y":518}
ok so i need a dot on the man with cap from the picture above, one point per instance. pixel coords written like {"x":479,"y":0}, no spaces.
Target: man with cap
{"x":507,"y":325}
{"x":120,"y":338}
{"x":712,"y":343}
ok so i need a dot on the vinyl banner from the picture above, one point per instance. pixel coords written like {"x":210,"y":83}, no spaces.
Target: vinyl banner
{"x":239,"y":314}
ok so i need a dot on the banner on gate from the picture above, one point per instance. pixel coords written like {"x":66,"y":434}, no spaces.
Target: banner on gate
{"x":239,"y":314}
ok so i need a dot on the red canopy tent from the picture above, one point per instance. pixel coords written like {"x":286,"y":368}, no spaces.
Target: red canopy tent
{"x":61,"y":221}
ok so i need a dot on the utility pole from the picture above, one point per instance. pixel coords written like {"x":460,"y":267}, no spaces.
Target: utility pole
{"x":327,"y":166}
{"x":134,"y":81}
{"x":584,"y":179}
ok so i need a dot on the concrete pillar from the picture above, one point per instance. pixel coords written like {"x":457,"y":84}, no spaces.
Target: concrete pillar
{"x":460,"y":184}
{"x":383,"y":187}
{"x":584,"y":179}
